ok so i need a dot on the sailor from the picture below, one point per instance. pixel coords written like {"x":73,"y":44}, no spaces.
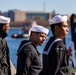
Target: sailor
{"x":4,"y":50}
{"x":29,"y":59}
{"x":55,"y":52}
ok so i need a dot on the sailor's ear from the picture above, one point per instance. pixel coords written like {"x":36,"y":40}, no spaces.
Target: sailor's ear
{"x":56,"y":27}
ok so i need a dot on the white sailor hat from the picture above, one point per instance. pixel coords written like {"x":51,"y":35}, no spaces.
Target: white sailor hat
{"x":57,"y":19}
{"x":4,"y":19}
{"x":39,"y":28}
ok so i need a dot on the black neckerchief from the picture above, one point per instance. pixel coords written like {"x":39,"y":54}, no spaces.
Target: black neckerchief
{"x":2,"y":34}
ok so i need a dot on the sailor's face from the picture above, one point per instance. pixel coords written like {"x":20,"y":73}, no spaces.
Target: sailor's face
{"x":63,"y":30}
{"x":6,"y":28}
{"x":40,"y":39}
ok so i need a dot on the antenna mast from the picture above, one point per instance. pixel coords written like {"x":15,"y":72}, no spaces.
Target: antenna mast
{"x":44,"y":6}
